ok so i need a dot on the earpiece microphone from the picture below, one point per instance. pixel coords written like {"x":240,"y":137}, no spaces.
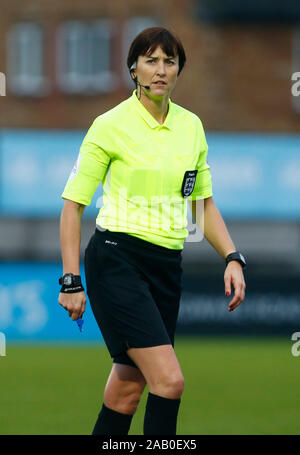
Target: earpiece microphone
{"x":145,"y":86}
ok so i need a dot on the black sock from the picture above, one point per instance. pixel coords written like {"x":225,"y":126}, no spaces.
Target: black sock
{"x":112,"y":422}
{"x":161,"y":415}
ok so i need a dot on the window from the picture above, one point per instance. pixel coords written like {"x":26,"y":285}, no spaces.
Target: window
{"x":25,"y":64}
{"x":296,"y":69}
{"x":84,"y":57}
{"x":2,"y":84}
{"x":132,"y":28}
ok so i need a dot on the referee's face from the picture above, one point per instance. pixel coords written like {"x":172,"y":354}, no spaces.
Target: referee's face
{"x":159,"y":71}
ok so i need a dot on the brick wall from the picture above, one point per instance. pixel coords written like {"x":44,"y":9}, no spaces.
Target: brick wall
{"x":237,"y":77}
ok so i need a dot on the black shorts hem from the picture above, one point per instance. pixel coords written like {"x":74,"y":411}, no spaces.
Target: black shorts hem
{"x":125,"y":361}
{"x":124,"y":358}
{"x":150,"y":344}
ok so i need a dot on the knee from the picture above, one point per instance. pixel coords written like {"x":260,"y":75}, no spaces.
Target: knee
{"x":176,"y":385}
{"x":131,"y":403}
{"x":126,"y":404}
{"x":123,"y":400}
{"x":170,"y":386}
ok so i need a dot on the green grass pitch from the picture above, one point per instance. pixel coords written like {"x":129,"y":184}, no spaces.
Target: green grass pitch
{"x":233,"y":385}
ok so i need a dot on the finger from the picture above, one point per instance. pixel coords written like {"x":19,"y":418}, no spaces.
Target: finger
{"x":227,"y":281}
{"x":237,"y":300}
{"x":83,"y":304}
{"x":242,"y":290}
{"x":64,"y":305}
{"x":243,"y":293}
{"x":75,"y":316}
{"x":237,"y":294}
{"x":234,"y":306}
{"x":82,"y":309}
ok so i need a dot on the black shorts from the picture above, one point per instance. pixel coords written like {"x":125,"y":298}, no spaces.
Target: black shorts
{"x":134,"y":289}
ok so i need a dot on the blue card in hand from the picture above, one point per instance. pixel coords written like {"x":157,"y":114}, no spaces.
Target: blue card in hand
{"x":80,"y":323}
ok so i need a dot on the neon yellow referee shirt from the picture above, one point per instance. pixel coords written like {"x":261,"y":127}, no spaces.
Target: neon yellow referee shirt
{"x":141,"y":165}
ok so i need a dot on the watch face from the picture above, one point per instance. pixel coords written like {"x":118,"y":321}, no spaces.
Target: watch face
{"x":67,"y":280}
{"x":242,"y":258}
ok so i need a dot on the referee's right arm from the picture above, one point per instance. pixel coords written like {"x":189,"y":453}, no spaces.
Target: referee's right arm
{"x":89,"y":170}
{"x":70,"y":236}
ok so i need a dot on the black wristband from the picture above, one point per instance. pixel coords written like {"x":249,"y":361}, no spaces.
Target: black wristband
{"x":71,"y":289}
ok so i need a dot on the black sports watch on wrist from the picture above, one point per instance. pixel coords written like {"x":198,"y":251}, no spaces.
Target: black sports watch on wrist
{"x":70,"y":283}
{"x":236,"y":256}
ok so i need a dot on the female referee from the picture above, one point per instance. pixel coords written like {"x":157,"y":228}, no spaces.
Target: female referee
{"x":150,"y":154}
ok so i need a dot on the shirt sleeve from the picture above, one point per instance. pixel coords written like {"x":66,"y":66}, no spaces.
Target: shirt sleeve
{"x":203,"y":184}
{"x":90,"y":167}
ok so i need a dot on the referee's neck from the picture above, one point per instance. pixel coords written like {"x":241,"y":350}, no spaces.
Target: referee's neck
{"x":158,"y":108}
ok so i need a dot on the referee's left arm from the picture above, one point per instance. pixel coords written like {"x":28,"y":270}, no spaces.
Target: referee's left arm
{"x":214,"y":229}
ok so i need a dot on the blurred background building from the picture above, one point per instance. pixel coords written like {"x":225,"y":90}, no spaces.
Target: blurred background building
{"x":65,"y":63}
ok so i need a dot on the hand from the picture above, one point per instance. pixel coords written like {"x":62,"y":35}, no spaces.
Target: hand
{"x":234,"y":274}
{"x":74,"y":303}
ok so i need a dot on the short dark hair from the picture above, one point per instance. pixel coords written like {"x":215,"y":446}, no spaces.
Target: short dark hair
{"x":149,"y":39}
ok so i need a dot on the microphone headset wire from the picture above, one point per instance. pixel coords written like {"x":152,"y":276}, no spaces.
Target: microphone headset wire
{"x":147,"y":87}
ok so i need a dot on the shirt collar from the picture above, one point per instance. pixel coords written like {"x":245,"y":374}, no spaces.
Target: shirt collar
{"x":152,"y":122}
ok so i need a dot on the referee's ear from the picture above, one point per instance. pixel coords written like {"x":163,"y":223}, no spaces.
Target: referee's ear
{"x":133,"y":76}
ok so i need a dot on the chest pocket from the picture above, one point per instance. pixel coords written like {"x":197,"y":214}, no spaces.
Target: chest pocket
{"x":146,"y":186}
{"x":153,"y":185}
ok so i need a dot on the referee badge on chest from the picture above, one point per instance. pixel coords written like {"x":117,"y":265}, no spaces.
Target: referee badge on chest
{"x":188,"y":183}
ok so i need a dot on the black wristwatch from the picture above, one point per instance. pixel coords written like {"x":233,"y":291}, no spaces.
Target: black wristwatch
{"x":70,"y":283}
{"x":236,"y":256}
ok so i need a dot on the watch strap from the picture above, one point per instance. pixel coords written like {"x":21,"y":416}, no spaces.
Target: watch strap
{"x":236,"y":256}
